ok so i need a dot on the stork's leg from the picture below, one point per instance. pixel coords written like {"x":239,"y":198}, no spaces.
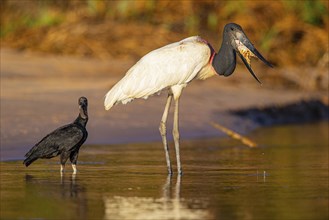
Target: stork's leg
{"x":176,"y":135}
{"x":163,"y":131}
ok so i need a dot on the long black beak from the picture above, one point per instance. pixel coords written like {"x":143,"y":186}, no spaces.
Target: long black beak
{"x":245,"y":55}
{"x":249,"y":67}
{"x":259,"y":56}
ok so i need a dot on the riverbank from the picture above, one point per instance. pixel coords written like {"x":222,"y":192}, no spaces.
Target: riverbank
{"x":39,"y":93}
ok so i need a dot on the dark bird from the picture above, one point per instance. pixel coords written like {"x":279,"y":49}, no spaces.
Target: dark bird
{"x":173,"y":66}
{"x":64,"y":141}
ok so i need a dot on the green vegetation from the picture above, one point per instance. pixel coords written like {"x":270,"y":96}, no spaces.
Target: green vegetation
{"x":312,"y":12}
{"x":288,"y":32}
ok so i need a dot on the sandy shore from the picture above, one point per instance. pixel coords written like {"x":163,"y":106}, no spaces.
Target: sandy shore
{"x":39,"y":93}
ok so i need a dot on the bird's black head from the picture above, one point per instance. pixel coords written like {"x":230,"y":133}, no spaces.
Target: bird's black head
{"x":235,"y":38}
{"x":83,"y":104}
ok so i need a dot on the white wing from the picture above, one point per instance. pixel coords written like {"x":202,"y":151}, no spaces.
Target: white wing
{"x":175,"y":64}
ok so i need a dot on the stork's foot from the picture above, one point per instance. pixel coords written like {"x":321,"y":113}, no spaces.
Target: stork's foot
{"x":170,"y":171}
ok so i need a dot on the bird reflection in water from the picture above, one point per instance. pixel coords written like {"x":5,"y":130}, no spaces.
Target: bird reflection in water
{"x":57,"y":192}
{"x":169,"y":206}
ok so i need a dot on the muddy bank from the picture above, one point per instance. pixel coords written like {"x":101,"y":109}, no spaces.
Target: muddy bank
{"x":299,"y":112}
{"x":39,"y":93}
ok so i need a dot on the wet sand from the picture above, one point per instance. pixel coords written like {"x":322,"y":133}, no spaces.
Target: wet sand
{"x":39,"y":93}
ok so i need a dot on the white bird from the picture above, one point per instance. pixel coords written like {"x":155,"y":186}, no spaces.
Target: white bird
{"x":173,"y":66}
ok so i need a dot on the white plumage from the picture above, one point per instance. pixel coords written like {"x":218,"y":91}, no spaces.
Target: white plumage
{"x":173,"y":65}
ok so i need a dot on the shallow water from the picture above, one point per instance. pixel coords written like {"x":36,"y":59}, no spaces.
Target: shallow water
{"x":286,"y":178}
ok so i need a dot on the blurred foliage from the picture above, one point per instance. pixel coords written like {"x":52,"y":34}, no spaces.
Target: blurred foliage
{"x":309,"y":11}
{"x":288,"y":32}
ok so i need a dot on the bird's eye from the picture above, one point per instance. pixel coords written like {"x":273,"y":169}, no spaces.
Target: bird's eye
{"x":232,"y":29}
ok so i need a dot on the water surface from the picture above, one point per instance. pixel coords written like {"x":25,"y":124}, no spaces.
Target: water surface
{"x":286,"y":178}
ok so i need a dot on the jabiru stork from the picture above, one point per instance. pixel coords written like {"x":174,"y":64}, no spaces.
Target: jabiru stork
{"x":173,"y":66}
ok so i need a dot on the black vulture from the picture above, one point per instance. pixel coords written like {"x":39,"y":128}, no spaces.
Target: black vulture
{"x":64,"y":141}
